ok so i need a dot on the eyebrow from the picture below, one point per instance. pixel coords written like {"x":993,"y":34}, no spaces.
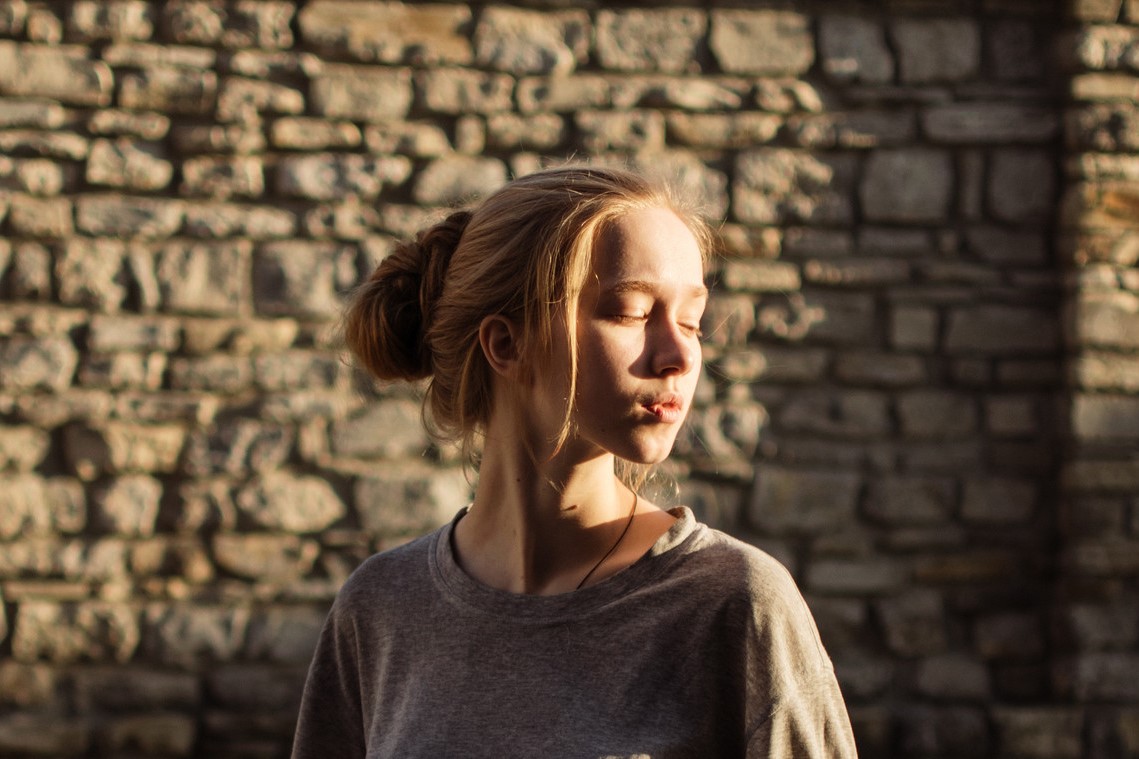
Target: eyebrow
{"x":642,"y":286}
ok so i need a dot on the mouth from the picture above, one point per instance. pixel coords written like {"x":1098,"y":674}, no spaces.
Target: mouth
{"x":667,"y":408}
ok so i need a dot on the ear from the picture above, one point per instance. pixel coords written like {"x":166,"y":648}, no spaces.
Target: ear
{"x":500,"y":339}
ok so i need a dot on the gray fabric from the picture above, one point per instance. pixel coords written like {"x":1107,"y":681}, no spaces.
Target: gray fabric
{"x":702,"y":648}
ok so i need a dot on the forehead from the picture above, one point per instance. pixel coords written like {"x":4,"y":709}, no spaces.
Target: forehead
{"x":651,"y":244}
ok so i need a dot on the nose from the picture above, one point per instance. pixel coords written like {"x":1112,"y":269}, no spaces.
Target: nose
{"x":673,"y":351}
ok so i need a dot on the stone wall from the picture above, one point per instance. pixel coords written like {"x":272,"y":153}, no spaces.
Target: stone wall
{"x":922,"y":383}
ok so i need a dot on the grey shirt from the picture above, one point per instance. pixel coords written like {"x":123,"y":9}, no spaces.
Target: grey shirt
{"x":702,"y":648}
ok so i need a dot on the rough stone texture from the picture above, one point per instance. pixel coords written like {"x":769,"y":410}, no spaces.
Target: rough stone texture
{"x":920,"y":377}
{"x":912,"y":185}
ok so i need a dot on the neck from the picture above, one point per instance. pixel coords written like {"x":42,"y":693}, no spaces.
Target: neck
{"x":540,"y":527}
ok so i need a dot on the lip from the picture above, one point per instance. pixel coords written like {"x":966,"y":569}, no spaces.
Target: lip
{"x":668,"y":408}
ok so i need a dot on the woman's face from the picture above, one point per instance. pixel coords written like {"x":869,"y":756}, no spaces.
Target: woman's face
{"x":638,"y":339}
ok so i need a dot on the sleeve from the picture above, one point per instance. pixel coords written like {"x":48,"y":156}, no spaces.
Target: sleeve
{"x":808,"y":724}
{"x":797,"y":710}
{"x":331,"y":721}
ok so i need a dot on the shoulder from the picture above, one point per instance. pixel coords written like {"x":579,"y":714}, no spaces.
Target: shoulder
{"x":758,"y":594}
{"x":389,"y":576}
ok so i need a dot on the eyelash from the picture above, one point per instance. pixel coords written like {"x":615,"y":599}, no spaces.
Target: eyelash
{"x":691,"y":329}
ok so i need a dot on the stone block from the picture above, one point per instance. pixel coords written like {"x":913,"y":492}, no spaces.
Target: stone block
{"x":907,"y":185}
{"x":1022,"y":185}
{"x":243,"y":99}
{"x":27,"y":685}
{"x":127,"y":217}
{"x":457,"y":179}
{"x":1106,"y":370}
{"x":55,"y":144}
{"x":562,"y":94}
{"x":1103,"y":126}
{"x":722,"y":130}
{"x":118,"y":447}
{"x":400,"y":417}
{"x":329,"y":176}
{"x":143,"y":55}
{"x":38,"y":176}
{"x":854,"y":49}
{"x":953,"y":677}
{"x":936,"y":414}
{"x":1105,"y":87}
{"x":122,"y":371}
{"x":242,"y":139}
{"x":988,"y":329}
{"x":1100,"y":626}
{"x":22,"y":448}
{"x":30,"y":216}
{"x":297,"y":277}
{"x":396,"y":500}
{"x":204,"y":277}
{"x":508,"y":131}
{"x":358,"y":93}
{"x":854,"y":577}
{"x":127,"y":505}
{"x":779,"y":186}
{"x":13,"y":16}
{"x":283,"y":501}
{"x":910,"y":500}
{"x":29,"y":276}
{"x":240,"y":24}
{"x":913,"y":623}
{"x":521,"y":41}
{"x":1007,"y":247}
{"x":1019,"y":51}
{"x":990,"y":123}
{"x":223,"y":176}
{"x":465,"y":91}
{"x":764,"y":42}
{"x":723,"y":432}
{"x":91,"y":273}
{"x":349,"y":220}
{"x":850,"y":414}
{"x":244,"y":688}
{"x":760,"y":276}
{"x":152,"y":734}
{"x":285,"y":634}
{"x":1103,"y":676}
{"x":943,"y":731}
{"x":650,"y":40}
{"x":169,"y":90}
{"x":799,"y":501}
{"x":54,"y":72}
{"x":936,"y":50}
{"x":1010,"y":635}
{"x":880,"y":369}
{"x":265,"y":558}
{"x":128,"y":332}
{"x":998,"y":500}
{"x":218,"y":373}
{"x":31,"y":734}
{"x":858,"y":274}
{"x":239,"y":447}
{"x":115,"y":20}
{"x":1095,"y":10}
{"x":388,"y":32}
{"x":298,"y":370}
{"x":65,"y":633}
{"x":190,"y":635}
{"x":303,"y":133}
{"x":1040,"y":732}
{"x":219,"y":220}
{"x":853,"y":129}
{"x":602,"y":131}
{"x":1107,"y":320}
{"x":409,"y":138}
{"x":34,"y":505}
{"x":32,"y":114}
{"x":37,"y":363}
{"x":1105,"y":417}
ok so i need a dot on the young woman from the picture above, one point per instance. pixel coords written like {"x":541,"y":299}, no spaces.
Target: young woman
{"x":561,"y":614}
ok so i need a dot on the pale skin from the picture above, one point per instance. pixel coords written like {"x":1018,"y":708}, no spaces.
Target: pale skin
{"x":543,"y":516}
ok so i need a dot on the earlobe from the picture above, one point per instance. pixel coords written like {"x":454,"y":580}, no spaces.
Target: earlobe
{"x":500,"y":343}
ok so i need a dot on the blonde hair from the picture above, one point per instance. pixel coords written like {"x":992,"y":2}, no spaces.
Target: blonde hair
{"x":524,"y":253}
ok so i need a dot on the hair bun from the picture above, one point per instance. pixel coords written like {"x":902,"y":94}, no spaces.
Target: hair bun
{"x":387,"y":316}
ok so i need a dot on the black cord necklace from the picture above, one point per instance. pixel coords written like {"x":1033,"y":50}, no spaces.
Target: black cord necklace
{"x":612,"y":548}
